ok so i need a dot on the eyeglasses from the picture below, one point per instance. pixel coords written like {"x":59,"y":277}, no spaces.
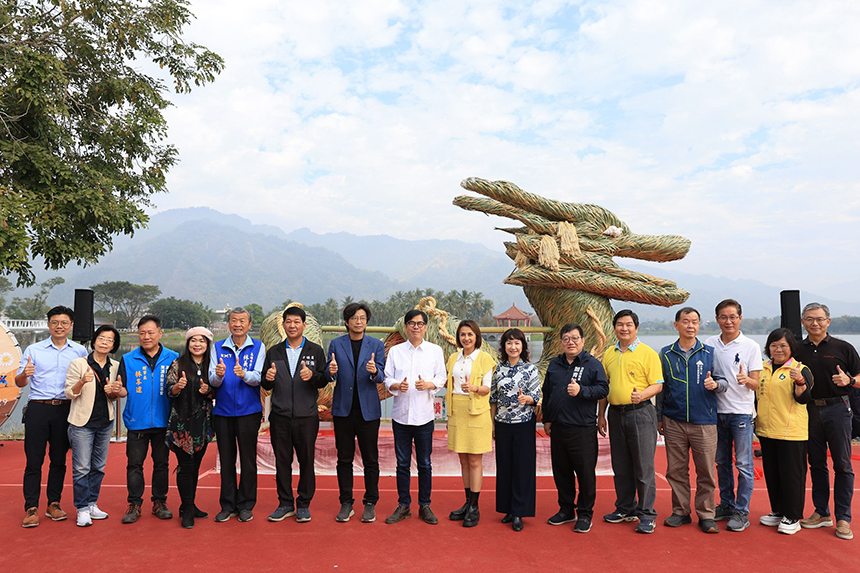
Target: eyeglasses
{"x":416,"y":324}
{"x":59,"y":323}
{"x":358,"y":318}
{"x":570,"y":339}
{"x":819,"y":320}
{"x":724,"y":318}
{"x":105,"y":339}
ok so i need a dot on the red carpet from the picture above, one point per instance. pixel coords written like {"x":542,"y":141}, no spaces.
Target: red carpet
{"x":324,"y":545}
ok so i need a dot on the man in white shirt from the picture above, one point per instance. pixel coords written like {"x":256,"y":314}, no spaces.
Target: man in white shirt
{"x":738,"y":360}
{"x":414,"y":370}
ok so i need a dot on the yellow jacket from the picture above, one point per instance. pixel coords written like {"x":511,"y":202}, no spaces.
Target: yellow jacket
{"x":779,"y":414}
{"x":482,"y":364}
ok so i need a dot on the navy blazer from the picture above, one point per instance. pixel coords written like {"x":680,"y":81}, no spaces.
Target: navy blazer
{"x":368,"y":393}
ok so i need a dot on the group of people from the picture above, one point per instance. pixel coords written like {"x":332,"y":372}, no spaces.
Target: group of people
{"x":707,"y":399}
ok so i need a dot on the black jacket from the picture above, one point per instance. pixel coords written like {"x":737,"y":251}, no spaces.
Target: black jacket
{"x":559,"y":407}
{"x":292,"y":396}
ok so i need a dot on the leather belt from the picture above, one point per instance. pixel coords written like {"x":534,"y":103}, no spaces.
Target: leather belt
{"x":52,"y":402}
{"x":829,"y":401}
{"x":629,"y":407}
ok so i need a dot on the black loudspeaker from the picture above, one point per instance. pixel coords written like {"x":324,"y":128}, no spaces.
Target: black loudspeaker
{"x":84,"y":326}
{"x":789,"y":303}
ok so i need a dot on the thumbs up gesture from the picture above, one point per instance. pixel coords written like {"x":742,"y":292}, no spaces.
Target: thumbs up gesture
{"x":404,"y":386}
{"x":29,"y":369}
{"x":522,"y":398}
{"x":116,"y":386}
{"x":573,"y":388}
{"x":270,"y":374}
{"x":238,"y":370}
{"x":221,"y":368}
{"x":841,"y":378}
{"x":305,"y":373}
{"x":371,"y":364}
{"x":332,"y":366}
{"x":710,"y":383}
{"x":465,"y":386}
{"x":420,"y":384}
{"x":180,"y":384}
{"x":635,"y":396}
{"x":204,"y":387}
{"x":88,"y":376}
{"x":797,"y":376}
{"x":743,"y":379}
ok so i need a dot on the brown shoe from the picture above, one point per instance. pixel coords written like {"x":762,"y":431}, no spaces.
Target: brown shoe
{"x":843,"y":530}
{"x":159,"y":510}
{"x":55,"y":513}
{"x":131,"y":514}
{"x":816,"y":520}
{"x":31,"y":517}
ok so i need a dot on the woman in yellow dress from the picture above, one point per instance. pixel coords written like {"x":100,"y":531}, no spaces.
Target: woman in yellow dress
{"x":470,"y":426}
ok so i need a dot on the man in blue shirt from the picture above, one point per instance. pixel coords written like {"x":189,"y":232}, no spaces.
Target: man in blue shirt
{"x":44,"y":366}
{"x":143,"y":372}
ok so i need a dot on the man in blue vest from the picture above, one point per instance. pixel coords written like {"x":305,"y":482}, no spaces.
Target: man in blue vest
{"x":357,"y":364}
{"x":143,"y":372}
{"x":235,"y":369}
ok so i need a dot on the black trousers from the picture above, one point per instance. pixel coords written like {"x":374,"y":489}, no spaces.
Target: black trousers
{"x":299,"y":434}
{"x":784,"y":464}
{"x":241,"y":432}
{"x":516,"y":468}
{"x":187,"y":474}
{"x":45,"y":425}
{"x":573,"y":452}
{"x":136,"y":447}
{"x":346,"y":430}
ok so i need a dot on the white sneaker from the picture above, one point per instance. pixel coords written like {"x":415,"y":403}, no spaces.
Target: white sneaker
{"x":84,"y":519}
{"x":771,"y":519}
{"x":789,"y":526}
{"x":96,"y":513}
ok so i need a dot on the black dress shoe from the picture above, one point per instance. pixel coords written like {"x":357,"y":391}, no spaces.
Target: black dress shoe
{"x":188,"y":519}
{"x":507,"y":518}
{"x":472,"y":517}
{"x":459,"y":514}
{"x":517,"y":524}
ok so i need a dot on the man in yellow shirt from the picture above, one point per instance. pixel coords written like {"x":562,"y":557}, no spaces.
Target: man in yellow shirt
{"x":635,"y":376}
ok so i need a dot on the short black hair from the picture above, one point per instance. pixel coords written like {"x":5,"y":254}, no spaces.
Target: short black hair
{"x":474,"y":327}
{"x":514,"y":334}
{"x":569,"y":327}
{"x":778,"y":335}
{"x":295,"y":311}
{"x":622,"y":314}
{"x":728,"y":302}
{"x":686,"y":310}
{"x":61,"y":310}
{"x":149,"y":318}
{"x":106,"y":328}
{"x":413,"y":313}
{"x":353,"y":307}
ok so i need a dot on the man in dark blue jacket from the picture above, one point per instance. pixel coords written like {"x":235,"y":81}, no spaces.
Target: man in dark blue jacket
{"x":688,"y":405}
{"x":357,"y":364}
{"x":235,"y":368}
{"x":575,"y":381}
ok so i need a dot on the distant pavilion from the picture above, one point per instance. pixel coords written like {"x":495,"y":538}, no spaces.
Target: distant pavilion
{"x":513,"y":317}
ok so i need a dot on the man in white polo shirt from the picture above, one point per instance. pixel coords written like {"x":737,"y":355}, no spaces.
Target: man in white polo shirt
{"x":414,"y":370}
{"x":738,"y":360}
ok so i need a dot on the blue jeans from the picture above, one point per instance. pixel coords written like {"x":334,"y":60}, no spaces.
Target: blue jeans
{"x":89,"y":457}
{"x":735,"y":435}
{"x":404,"y":435}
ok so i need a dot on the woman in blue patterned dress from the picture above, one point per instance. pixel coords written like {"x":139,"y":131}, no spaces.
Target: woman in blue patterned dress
{"x":514,"y":394}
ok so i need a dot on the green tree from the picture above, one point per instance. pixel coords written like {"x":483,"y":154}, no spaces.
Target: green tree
{"x":257,"y":314}
{"x":176,"y":313}
{"x":81,"y":127}
{"x":124,"y":301}
{"x":5,"y":286}
{"x":36,"y":306}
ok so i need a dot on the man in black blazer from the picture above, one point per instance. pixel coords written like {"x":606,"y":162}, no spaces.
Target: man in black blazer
{"x":357,"y":364}
{"x":294,"y":372}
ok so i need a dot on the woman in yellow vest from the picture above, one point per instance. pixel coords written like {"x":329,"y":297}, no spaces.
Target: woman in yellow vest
{"x":782,"y":427}
{"x":470,"y":426}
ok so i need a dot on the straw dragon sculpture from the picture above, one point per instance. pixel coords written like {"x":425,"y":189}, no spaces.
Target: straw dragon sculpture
{"x":563,"y":258}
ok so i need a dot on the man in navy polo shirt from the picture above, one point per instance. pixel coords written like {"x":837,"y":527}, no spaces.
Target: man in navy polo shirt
{"x":235,"y":368}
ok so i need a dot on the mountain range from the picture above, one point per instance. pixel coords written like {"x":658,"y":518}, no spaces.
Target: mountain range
{"x":226,"y":260}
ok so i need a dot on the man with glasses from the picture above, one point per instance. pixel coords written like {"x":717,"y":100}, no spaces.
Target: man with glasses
{"x":635,"y":376}
{"x":834,"y":364}
{"x":737,"y":359}
{"x":414,"y":370}
{"x":44,"y":366}
{"x":357,"y":365}
{"x":143,"y":372}
{"x":574,"y":383}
